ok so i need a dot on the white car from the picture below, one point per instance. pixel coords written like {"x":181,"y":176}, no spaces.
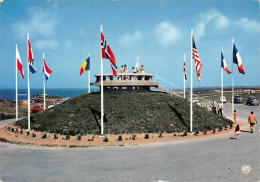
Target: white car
{"x":222,"y":99}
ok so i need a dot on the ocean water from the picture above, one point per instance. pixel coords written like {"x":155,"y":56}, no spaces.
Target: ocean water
{"x":9,"y":94}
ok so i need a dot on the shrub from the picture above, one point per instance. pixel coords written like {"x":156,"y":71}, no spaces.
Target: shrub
{"x":21,"y":132}
{"x":12,"y":130}
{"x":79,"y":137}
{"x":55,"y":136}
{"x":196,"y":132}
{"x":44,"y":136}
{"x":220,"y":128}
{"x":231,"y":126}
{"x":214,"y":131}
{"x":205,"y":132}
{"x":27,"y":133}
{"x":119,"y":138}
{"x":185,"y":133}
{"x":146,"y":136}
{"x":105,"y":139}
{"x":34,"y":135}
{"x":67,"y":137}
{"x":133,"y":137}
{"x":160,"y":135}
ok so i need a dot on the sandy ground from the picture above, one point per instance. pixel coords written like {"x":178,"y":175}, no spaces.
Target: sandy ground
{"x":14,"y":134}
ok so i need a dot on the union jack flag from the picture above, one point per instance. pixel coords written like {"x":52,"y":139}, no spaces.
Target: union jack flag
{"x":196,"y":57}
{"x":108,"y":54}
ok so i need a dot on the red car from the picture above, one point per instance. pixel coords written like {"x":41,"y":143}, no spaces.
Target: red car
{"x":38,"y":108}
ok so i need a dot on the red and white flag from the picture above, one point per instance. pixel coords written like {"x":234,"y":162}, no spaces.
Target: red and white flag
{"x":185,"y":71}
{"x":19,"y":63}
{"x":30,"y":58}
{"x":224,"y":64}
{"x":47,"y":71}
{"x":108,"y":54}
{"x":196,"y":57}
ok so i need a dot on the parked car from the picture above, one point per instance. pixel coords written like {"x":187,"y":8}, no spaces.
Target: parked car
{"x":223,"y":99}
{"x":38,"y":108}
{"x":195,"y":100}
{"x":252,"y":100}
{"x":238,"y":99}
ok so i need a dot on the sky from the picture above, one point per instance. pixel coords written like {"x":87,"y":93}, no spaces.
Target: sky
{"x":158,"y":31}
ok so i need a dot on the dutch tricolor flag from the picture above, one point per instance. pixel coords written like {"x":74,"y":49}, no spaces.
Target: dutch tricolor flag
{"x":224,"y":64}
{"x":46,"y":70}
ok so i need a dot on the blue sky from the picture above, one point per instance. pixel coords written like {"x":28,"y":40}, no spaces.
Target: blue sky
{"x":67,"y":31}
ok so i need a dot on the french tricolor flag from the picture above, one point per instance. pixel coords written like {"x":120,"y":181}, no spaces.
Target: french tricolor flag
{"x":46,"y":70}
{"x":237,"y":60}
{"x":224,"y":64}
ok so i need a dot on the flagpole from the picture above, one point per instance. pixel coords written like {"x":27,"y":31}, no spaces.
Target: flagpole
{"x":184,"y":80}
{"x":44,"y":101}
{"x":232,"y":77}
{"x":16,"y":90}
{"x":222,"y":81}
{"x":102,"y":96}
{"x":29,"y":100}
{"x":89,"y":76}
{"x":191,"y":111}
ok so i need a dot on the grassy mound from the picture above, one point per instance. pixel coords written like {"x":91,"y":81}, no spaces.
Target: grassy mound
{"x":125,"y":112}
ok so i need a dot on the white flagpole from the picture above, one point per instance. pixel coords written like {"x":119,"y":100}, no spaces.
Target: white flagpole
{"x":191,"y":111}
{"x":29,"y":100}
{"x":89,"y":77}
{"x":44,"y":101}
{"x":222,"y":82}
{"x":16,"y":91}
{"x":184,"y":80}
{"x":232,"y":77}
{"x":102,"y":96}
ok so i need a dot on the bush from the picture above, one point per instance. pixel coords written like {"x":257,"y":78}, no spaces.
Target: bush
{"x":79,"y":137}
{"x":55,"y":136}
{"x":214,"y":131}
{"x":196,"y":132}
{"x":160,"y":135}
{"x":105,"y":139}
{"x":21,"y":132}
{"x":67,"y":137}
{"x":34,"y":135}
{"x":119,"y":138}
{"x":12,"y":130}
{"x":133,"y":137}
{"x":220,"y":128}
{"x":205,"y":132}
{"x":146,"y":136}
{"x":44,"y":136}
{"x":27,"y":133}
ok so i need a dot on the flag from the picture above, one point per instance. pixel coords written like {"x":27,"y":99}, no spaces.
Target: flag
{"x":19,"y":63}
{"x":46,"y":70}
{"x":237,"y":60}
{"x":31,"y":58}
{"x":85,"y":66}
{"x":185,"y":71}
{"x":224,"y":64}
{"x":196,"y":57}
{"x":108,"y":54}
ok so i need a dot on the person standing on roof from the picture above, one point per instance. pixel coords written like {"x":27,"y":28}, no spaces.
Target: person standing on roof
{"x":142,"y":69}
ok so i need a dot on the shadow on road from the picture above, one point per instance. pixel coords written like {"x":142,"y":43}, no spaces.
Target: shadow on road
{"x":232,"y":138}
{"x":244,"y":131}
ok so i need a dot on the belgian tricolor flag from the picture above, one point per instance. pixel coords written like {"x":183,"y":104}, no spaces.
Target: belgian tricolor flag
{"x":85,"y":66}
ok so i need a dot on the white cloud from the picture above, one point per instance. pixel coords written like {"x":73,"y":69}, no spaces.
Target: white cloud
{"x":46,"y":44}
{"x":129,"y":39}
{"x":42,"y":22}
{"x":217,"y":19}
{"x":166,"y":33}
{"x":249,"y":25}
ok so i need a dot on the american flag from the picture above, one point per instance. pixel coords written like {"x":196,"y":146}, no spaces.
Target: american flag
{"x":196,"y":57}
{"x":185,"y":71}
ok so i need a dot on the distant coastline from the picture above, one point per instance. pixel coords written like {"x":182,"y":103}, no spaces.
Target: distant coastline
{"x":9,"y":94}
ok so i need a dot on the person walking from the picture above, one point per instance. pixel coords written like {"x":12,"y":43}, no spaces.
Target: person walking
{"x":235,"y":116}
{"x":252,"y":121}
{"x":220,"y":109}
{"x":237,"y":131}
{"x":214,"y":106}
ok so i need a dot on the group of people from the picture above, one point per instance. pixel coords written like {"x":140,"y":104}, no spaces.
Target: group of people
{"x":124,"y":69}
{"x":217,"y":110}
{"x":251,"y":120}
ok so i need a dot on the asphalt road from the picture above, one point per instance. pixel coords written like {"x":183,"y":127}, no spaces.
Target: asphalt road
{"x":219,"y":159}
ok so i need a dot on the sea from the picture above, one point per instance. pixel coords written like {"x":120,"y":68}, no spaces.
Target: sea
{"x":9,"y":94}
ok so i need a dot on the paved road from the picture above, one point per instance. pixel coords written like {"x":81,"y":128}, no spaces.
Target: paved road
{"x":208,"y":160}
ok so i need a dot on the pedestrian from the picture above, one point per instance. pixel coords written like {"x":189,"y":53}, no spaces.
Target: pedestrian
{"x":214,"y":109}
{"x":220,"y":109}
{"x":252,"y":121}
{"x":237,"y":131}
{"x":235,"y":116}
{"x":122,"y":69}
